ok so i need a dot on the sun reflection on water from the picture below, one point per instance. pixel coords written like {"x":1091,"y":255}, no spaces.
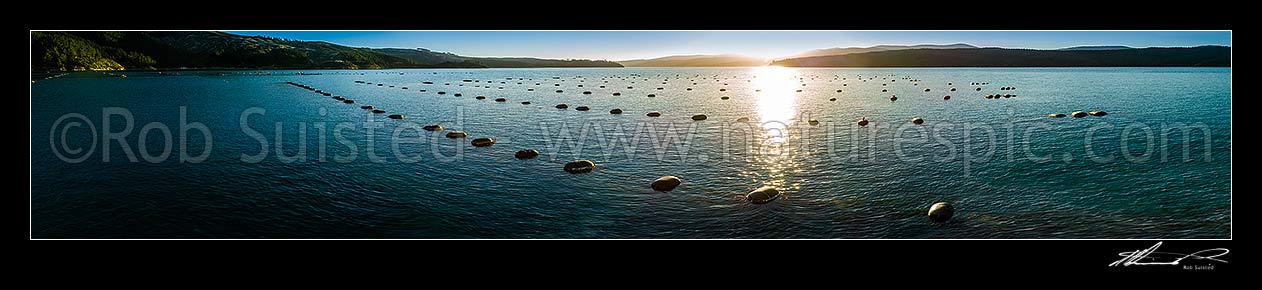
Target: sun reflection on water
{"x":777,"y":101}
{"x":777,"y":108}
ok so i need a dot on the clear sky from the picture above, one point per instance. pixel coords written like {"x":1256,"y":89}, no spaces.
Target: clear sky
{"x":624,"y":45}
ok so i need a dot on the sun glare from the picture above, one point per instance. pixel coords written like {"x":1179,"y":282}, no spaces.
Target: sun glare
{"x":777,"y":100}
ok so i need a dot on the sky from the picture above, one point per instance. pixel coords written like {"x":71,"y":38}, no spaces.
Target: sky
{"x":625,"y":45}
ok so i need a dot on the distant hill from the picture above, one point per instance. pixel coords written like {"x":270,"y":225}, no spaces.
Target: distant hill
{"x":427,"y":57}
{"x":109,"y":50}
{"x":1098,"y":47}
{"x":723,"y":60}
{"x":850,"y":50}
{"x":1218,"y":56}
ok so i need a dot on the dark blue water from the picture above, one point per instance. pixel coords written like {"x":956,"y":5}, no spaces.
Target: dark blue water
{"x":1009,"y":170}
